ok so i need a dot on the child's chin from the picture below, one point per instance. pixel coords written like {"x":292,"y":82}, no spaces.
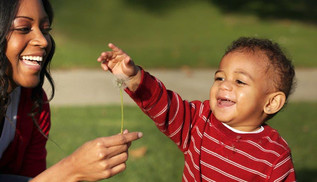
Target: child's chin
{"x":221,"y":117}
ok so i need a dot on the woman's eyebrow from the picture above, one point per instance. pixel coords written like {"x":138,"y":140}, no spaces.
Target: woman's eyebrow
{"x":45,"y":18}
{"x":26,"y":17}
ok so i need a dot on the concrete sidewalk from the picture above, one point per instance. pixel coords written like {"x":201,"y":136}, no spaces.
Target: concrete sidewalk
{"x":96,"y":87}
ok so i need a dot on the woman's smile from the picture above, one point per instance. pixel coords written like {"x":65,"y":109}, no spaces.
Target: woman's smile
{"x":32,"y":62}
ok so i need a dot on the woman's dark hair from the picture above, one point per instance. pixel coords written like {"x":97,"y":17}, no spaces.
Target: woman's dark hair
{"x":282,"y":67}
{"x":8,"y":11}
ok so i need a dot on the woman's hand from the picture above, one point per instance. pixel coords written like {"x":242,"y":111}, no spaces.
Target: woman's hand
{"x":95,"y":160}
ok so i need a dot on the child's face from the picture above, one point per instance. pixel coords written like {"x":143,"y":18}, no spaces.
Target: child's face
{"x":240,"y":90}
{"x":28,"y":44}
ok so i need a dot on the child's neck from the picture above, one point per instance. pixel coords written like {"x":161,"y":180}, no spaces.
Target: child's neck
{"x":256,"y":130}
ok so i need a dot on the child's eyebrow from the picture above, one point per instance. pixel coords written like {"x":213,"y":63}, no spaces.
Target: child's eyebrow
{"x":245,"y":73}
{"x":218,"y":71}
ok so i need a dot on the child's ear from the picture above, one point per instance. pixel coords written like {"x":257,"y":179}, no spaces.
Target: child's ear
{"x":274,"y":102}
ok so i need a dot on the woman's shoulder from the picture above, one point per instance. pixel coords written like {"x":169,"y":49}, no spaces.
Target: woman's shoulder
{"x":27,"y":93}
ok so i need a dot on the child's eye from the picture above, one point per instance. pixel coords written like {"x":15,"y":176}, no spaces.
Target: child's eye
{"x":240,"y":82}
{"x":219,"y":79}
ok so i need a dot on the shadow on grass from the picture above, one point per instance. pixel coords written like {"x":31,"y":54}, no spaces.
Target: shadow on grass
{"x":306,"y":175}
{"x":302,"y":10}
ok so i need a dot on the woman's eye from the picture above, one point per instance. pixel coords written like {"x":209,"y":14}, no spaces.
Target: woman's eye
{"x":23,"y":29}
{"x":46,"y":30}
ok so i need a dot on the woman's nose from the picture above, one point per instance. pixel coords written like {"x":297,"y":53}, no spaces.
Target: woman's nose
{"x":39,"y":39}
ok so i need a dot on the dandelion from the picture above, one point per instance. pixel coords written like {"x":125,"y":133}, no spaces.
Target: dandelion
{"x":119,"y":81}
{"x":121,"y":96}
{"x":121,"y":84}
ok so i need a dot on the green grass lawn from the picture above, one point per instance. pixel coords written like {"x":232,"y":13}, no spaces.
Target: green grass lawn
{"x":163,"y":162}
{"x":189,"y":33}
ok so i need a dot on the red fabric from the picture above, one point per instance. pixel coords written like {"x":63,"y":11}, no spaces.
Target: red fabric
{"x":26,"y":154}
{"x":213,"y":152}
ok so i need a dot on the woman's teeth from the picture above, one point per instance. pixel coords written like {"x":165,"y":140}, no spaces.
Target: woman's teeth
{"x":32,"y":58}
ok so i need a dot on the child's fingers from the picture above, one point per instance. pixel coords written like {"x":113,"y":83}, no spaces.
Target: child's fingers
{"x":111,"y":59}
{"x":107,"y":64}
{"x":104,"y":67}
{"x":116,"y":50}
{"x":101,"y":59}
{"x":113,"y":47}
{"x":108,"y":55}
{"x":104,"y":56}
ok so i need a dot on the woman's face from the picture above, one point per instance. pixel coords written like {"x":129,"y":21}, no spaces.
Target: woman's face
{"x":28,"y":44}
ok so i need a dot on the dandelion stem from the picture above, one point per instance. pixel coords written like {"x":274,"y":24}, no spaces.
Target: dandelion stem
{"x":121,"y":95}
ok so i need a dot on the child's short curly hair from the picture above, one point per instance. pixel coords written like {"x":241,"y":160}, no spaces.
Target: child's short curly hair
{"x":283,"y":69}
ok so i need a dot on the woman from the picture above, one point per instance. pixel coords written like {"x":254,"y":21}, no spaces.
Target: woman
{"x":26,"y":49}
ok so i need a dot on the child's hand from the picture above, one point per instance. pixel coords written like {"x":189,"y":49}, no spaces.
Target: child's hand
{"x":121,"y":66}
{"x":118,"y":62}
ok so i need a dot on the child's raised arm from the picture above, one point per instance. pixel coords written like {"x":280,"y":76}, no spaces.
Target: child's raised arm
{"x":121,"y":66}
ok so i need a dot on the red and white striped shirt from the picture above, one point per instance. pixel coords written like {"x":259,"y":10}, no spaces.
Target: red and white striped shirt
{"x":212,"y":151}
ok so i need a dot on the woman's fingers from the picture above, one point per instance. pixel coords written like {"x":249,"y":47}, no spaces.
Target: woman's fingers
{"x":113,"y":171}
{"x":114,"y":165}
{"x":115,"y":145}
{"x":121,"y":139}
{"x":115,"y":150}
{"x":116,"y":160}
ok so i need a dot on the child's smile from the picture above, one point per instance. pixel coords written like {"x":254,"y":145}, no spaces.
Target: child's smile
{"x":224,"y":102}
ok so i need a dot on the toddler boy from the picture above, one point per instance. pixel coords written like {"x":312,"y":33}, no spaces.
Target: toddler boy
{"x":225,"y":138}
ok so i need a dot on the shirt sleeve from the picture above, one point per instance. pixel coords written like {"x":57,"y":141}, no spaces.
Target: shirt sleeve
{"x":284,"y":169}
{"x":172,"y":115}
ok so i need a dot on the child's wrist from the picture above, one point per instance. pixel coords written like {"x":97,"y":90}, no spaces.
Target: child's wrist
{"x":134,"y":81}
{"x":124,"y":81}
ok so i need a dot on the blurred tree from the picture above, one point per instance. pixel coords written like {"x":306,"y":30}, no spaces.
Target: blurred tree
{"x":302,"y":10}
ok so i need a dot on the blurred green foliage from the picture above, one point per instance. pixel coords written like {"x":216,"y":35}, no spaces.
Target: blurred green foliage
{"x":172,"y":34}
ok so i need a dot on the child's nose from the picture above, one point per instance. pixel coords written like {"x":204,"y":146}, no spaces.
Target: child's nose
{"x":39,"y":39}
{"x":226,"y":85}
